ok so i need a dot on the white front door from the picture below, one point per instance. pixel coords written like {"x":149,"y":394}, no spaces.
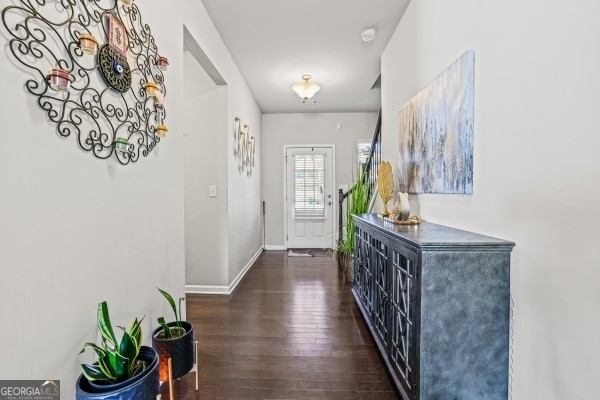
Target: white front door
{"x":309,"y":197}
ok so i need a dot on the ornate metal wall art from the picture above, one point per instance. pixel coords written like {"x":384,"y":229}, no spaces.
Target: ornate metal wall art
{"x":114,"y":69}
{"x":245,"y":147}
{"x":95,"y":71}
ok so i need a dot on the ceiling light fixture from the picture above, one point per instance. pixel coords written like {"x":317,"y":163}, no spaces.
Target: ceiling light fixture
{"x":306,"y":89}
{"x":368,"y":34}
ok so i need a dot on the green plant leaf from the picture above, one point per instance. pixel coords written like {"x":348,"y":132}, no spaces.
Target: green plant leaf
{"x":112,"y":366}
{"x":118,"y":365}
{"x":179,"y":328}
{"x":170,"y":300}
{"x":104,"y":325}
{"x":174,"y":308}
{"x":100,"y":351}
{"x":135,"y":331}
{"x":128,"y":349}
{"x":358,"y":203}
{"x":115,"y":358}
{"x":165,"y":328}
{"x":93,"y":372}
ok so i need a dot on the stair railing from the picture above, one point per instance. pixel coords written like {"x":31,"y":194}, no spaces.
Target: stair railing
{"x":369,"y":171}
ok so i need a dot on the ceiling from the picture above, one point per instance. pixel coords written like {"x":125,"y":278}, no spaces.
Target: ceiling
{"x":275,"y":42}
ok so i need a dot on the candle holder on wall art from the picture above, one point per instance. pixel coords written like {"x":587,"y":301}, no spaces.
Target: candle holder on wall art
{"x":94,"y":69}
{"x":88,"y":44}
{"x":121,"y":144}
{"x":151,"y":89}
{"x":59,"y":79}
{"x":161,"y":130}
{"x":162,"y":63}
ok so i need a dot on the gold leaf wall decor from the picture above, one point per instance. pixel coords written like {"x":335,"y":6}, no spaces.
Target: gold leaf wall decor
{"x":385,"y":184}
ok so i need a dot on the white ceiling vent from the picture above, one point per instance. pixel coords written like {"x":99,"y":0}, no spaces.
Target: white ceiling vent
{"x":309,"y":101}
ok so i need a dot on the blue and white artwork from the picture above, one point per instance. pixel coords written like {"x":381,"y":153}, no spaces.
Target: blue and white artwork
{"x":436,"y":133}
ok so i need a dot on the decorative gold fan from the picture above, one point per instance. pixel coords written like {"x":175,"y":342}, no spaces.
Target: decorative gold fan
{"x":385,"y":184}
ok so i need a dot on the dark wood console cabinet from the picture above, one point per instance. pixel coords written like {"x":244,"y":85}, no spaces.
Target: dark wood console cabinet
{"x":437,"y":301}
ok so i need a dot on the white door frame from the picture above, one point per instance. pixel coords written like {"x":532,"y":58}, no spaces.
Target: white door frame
{"x":333,"y":189}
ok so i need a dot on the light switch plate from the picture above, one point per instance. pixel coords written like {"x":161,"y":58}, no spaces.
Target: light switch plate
{"x":212,"y":191}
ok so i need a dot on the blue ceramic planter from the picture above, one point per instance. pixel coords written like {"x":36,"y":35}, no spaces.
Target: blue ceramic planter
{"x":143,"y":386}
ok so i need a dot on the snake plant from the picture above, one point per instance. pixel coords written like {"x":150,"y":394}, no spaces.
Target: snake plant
{"x":358,"y":203}
{"x":167,"y":332}
{"x":116,"y":358}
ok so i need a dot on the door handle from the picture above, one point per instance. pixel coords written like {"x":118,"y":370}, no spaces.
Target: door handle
{"x":329,"y":203}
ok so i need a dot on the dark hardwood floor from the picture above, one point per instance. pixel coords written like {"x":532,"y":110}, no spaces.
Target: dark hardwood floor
{"x":291,"y":330}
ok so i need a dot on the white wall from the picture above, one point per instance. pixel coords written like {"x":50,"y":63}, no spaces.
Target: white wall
{"x":310,"y":128}
{"x":205,"y":113}
{"x":536,"y":171}
{"x":242,"y":220}
{"x":245,"y":202}
{"x":76,"y":230}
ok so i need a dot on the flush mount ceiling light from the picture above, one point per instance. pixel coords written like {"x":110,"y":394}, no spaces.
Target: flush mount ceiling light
{"x":306,"y":89}
{"x":368,"y":34}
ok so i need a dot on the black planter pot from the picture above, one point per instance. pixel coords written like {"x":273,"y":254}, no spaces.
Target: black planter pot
{"x":143,"y":386}
{"x":180,"y":350}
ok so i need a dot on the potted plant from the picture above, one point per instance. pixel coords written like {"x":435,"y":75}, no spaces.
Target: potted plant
{"x":358,"y":203}
{"x":124,"y":370}
{"x":174,"y":340}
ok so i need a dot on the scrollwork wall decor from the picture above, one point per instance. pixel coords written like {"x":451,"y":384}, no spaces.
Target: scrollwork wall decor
{"x":245,"y":147}
{"x":92,"y":63}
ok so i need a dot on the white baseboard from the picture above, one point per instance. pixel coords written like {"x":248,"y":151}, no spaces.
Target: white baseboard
{"x":239,"y":277}
{"x":275,"y":247}
{"x":221,"y":289}
{"x":206,"y":289}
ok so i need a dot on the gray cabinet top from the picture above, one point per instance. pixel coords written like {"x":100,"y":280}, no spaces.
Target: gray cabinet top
{"x":427,"y":234}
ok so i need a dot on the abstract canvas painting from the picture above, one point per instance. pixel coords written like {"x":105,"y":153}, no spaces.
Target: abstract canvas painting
{"x":436,"y":133}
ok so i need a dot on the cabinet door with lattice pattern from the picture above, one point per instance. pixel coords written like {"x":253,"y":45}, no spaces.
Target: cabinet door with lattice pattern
{"x":404,"y":317}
